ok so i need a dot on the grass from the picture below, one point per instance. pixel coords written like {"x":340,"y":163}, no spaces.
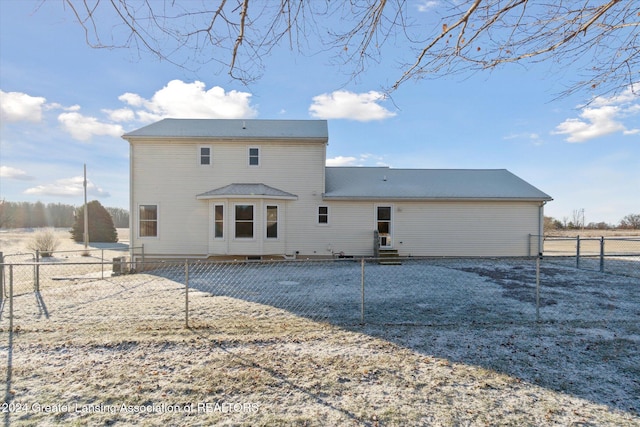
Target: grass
{"x":116,"y":351}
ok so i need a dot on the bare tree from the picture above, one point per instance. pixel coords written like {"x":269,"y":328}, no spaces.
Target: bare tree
{"x":577,"y":218}
{"x":631,"y":221}
{"x":6,"y":215}
{"x":444,"y":37}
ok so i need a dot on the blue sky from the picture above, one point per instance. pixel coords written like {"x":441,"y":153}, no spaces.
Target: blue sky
{"x":64,"y":104}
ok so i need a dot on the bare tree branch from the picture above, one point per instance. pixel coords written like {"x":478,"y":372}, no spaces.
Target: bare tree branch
{"x":435,"y":39}
{"x":243,"y":17}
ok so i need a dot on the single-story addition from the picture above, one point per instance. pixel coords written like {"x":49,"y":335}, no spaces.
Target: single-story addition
{"x":205,"y":188}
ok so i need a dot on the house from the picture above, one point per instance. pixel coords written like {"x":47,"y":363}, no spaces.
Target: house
{"x":205,"y":188}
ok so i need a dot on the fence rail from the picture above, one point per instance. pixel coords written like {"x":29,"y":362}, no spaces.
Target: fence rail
{"x":603,"y":254}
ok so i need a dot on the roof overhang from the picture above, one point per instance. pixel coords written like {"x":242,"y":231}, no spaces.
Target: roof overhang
{"x":247,"y":191}
{"x":432,"y":199}
{"x":180,"y":139}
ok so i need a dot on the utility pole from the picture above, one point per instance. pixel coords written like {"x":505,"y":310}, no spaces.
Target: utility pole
{"x":86,"y":213}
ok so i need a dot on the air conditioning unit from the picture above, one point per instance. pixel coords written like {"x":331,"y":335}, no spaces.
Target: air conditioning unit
{"x":120,"y":266}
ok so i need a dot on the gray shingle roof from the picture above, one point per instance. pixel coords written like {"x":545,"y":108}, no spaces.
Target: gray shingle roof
{"x":233,"y":129}
{"x":247,"y":191}
{"x":427,"y":184}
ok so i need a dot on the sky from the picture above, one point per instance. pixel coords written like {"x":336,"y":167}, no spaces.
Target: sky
{"x":64,"y":104}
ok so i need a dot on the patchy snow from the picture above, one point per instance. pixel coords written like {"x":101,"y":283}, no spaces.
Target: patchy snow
{"x":443,"y":342}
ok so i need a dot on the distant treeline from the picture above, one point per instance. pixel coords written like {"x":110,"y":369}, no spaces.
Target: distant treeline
{"x":33,"y":215}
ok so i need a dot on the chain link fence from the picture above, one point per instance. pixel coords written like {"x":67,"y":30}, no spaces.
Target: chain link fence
{"x":617,"y":255}
{"x":342,"y":291}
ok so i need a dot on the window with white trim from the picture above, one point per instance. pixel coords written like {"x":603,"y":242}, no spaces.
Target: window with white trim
{"x":272,"y":222}
{"x":244,"y":221}
{"x":218,"y":221}
{"x":148,"y":220}
{"x":323,"y":215}
{"x":204,"y":153}
{"x":254,"y":156}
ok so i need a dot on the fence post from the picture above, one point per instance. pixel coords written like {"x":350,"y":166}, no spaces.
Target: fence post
{"x":10,"y":299}
{"x":1,"y":277}
{"x":529,"y":246}
{"x":186,"y":293}
{"x":102,"y":265}
{"x":577,"y":251}
{"x":36,"y":272}
{"x":538,"y":287}
{"x":143,"y":254}
{"x":362,"y":291}
{"x":602,"y":254}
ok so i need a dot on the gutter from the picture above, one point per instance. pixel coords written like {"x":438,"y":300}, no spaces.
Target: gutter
{"x":435,"y":199}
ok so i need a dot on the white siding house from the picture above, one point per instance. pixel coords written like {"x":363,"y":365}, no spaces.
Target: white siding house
{"x":250,"y":188}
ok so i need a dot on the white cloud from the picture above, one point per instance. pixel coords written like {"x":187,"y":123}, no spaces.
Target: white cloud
{"x":191,"y":100}
{"x":426,"y":5}
{"x":362,"y":160}
{"x":14,"y":173}
{"x":68,"y":187}
{"x":629,"y":95}
{"x":132,"y":99}
{"x":342,"y":161}
{"x":341,"y":104}
{"x":604,"y":116}
{"x":177,"y":99}
{"x":18,"y":106}
{"x":121,"y":115}
{"x":533,"y":137}
{"x":83,"y":128}
{"x":594,"y":122}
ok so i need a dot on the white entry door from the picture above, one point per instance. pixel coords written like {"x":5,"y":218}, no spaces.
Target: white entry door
{"x":383,"y":220}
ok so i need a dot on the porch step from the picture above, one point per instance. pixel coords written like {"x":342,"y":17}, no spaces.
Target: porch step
{"x":389,"y":257}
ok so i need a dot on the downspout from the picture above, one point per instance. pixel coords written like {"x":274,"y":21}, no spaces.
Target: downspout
{"x":132,"y":213}
{"x":540,"y":228}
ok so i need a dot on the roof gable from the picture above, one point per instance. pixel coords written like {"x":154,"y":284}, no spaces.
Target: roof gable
{"x":427,"y":184}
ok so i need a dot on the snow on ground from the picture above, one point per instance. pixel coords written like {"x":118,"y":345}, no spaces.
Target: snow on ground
{"x":472,"y":318}
{"x":481,"y":312}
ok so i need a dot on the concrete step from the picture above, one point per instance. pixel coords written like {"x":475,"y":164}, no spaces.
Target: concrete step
{"x":388,"y":257}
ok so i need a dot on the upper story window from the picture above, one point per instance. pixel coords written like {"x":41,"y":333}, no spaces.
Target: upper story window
{"x":205,"y":155}
{"x":148,"y":220}
{"x":254,"y":156}
{"x":323,"y":215}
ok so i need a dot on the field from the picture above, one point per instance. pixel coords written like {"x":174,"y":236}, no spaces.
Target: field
{"x":115,"y":351}
{"x":618,"y":242}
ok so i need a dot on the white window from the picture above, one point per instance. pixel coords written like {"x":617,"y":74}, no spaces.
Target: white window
{"x":204,"y":155}
{"x":254,"y":156}
{"x":272,"y":222}
{"x":148,"y":220}
{"x":244,"y":221}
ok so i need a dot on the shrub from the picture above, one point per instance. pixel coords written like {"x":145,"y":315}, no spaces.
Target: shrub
{"x":44,"y":241}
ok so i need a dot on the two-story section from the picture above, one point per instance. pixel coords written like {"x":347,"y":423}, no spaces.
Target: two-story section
{"x":202,"y":187}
